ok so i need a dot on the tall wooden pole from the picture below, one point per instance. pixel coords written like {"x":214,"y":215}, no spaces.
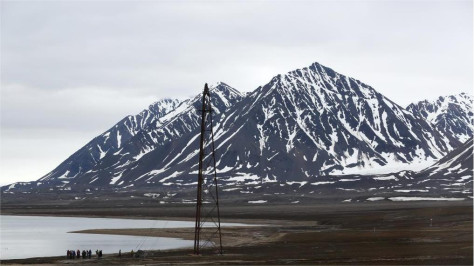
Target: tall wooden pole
{"x":206,"y":120}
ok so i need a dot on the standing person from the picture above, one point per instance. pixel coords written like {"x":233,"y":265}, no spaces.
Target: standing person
{"x":100,"y":253}
{"x":67,"y":254}
{"x":73,"y":254}
{"x":78,"y":254}
{"x":90,"y":253}
{"x":120,"y":253}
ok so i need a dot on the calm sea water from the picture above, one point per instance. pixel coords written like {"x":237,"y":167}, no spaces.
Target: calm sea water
{"x":39,"y":236}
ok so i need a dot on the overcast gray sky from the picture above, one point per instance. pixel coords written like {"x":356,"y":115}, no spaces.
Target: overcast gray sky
{"x":72,"y":69}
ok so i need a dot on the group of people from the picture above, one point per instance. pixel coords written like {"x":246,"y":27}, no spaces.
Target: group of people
{"x":86,"y":254}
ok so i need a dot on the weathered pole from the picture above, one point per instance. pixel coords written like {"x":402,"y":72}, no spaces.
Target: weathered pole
{"x":206,"y":117}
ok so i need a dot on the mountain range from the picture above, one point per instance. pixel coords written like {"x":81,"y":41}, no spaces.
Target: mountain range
{"x":308,"y":126}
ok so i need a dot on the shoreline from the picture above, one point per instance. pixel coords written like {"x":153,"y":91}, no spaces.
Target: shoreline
{"x":249,"y":222}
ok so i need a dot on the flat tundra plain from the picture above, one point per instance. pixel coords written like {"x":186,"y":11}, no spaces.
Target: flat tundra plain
{"x":423,"y":233}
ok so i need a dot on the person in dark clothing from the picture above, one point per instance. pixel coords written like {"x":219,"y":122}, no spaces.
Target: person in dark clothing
{"x":100,"y":253}
{"x":78,"y":253}
{"x":90,"y":253}
{"x":67,"y":254}
{"x":73,"y":254}
{"x":120,"y":253}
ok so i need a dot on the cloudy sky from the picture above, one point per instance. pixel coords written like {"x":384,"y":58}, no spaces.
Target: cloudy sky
{"x":72,"y":69}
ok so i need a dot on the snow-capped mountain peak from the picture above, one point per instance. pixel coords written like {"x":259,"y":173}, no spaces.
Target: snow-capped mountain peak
{"x":110,"y":141}
{"x":162,"y":106}
{"x":451,"y":115}
{"x":326,"y":122}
